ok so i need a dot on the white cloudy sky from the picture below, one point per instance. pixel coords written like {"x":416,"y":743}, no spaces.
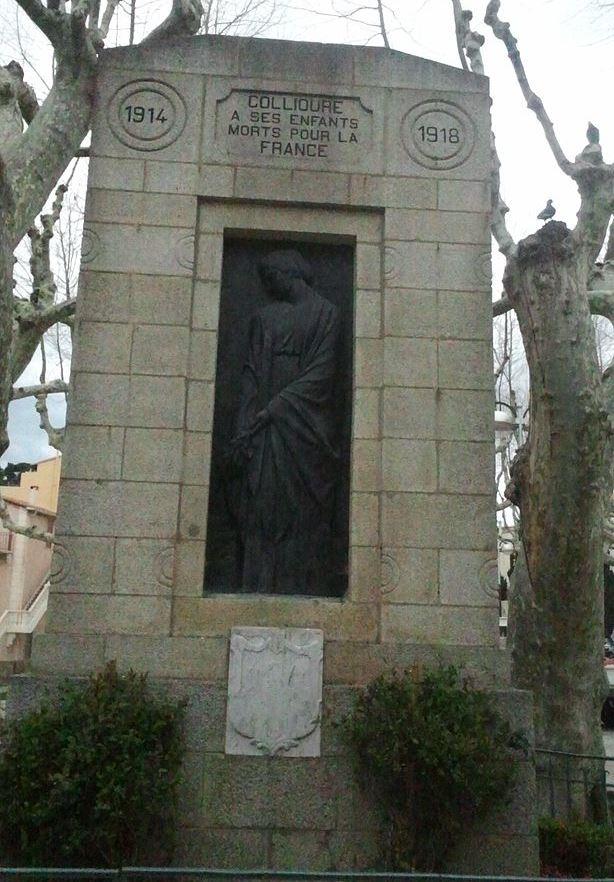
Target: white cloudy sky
{"x":567,"y":47}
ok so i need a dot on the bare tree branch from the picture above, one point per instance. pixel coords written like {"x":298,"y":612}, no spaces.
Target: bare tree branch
{"x":602,"y":303}
{"x":31,"y":325}
{"x":460,"y":42}
{"x":54,"y":434}
{"x":6,"y":310}
{"x":255,"y":16}
{"x":50,"y":388}
{"x":25,"y":94}
{"x":47,"y":20}
{"x":501,"y":30}
{"x":107,"y":17}
{"x":501,"y":306}
{"x":23,"y":54}
{"x":502,"y":364}
{"x":382,"y":24}
{"x":182,"y":21}
{"x":32,"y":532}
{"x":43,"y":281}
{"x":468,"y":41}
{"x":501,"y":506}
{"x":471,"y":42}
{"x":498,"y":225}
{"x":11,"y":125}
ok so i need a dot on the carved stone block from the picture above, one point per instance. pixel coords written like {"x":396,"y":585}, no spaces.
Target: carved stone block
{"x":274,"y":692}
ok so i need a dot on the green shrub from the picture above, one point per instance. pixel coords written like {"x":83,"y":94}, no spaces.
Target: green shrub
{"x":89,"y":778}
{"x":437,"y":755}
{"x":576,"y":848}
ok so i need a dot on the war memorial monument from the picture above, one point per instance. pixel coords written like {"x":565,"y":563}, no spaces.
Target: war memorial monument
{"x":278,"y":477}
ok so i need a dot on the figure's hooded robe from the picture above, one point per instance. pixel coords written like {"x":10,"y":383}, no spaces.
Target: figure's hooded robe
{"x":284,"y":504}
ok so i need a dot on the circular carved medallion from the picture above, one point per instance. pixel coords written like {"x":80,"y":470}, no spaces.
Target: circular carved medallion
{"x":146,"y":114}
{"x":60,"y":564}
{"x":391,"y":573}
{"x":184,"y":252}
{"x":165,"y":564}
{"x":488,"y":576}
{"x":90,"y":246}
{"x":438,"y":134}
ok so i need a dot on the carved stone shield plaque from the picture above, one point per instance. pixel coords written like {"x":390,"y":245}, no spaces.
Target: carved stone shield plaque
{"x":274,"y":692}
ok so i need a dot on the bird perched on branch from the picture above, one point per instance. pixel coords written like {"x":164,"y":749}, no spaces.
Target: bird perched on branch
{"x":548,"y":212}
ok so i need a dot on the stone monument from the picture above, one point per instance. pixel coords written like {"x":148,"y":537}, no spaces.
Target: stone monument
{"x":278,"y":476}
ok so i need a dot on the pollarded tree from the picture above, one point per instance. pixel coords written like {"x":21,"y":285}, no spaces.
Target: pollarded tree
{"x":32,"y":161}
{"x":561,"y":477}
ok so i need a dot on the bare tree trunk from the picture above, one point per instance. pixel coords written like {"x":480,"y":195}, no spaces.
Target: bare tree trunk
{"x":6,"y":307}
{"x":560,"y":482}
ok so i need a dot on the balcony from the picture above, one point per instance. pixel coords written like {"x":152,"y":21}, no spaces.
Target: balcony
{"x":6,"y":542}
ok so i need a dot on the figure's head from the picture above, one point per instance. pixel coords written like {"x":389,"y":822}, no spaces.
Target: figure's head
{"x":279,"y":270}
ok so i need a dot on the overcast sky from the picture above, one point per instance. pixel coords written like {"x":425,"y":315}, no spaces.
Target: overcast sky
{"x":567,"y":48}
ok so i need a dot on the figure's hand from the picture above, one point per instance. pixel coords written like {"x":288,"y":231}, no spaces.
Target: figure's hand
{"x":182,"y":21}
{"x":240,"y":449}
{"x":261,"y":419}
{"x":237,"y":454}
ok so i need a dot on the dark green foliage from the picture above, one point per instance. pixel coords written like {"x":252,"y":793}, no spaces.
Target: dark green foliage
{"x":10,"y":475}
{"x":576,"y":848}
{"x":89,"y":779}
{"x":438,"y":756}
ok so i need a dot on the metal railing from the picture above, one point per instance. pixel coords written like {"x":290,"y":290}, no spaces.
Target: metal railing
{"x":24,"y":621}
{"x":568,"y":780}
{"x":157,"y":874}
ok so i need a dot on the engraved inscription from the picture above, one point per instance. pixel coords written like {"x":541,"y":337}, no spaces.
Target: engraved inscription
{"x":146,"y":114}
{"x":438,"y":134}
{"x":274,"y":692}
{"x":293,"y":125}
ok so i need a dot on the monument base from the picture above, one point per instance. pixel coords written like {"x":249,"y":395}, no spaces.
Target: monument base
{"x":312,"y":814}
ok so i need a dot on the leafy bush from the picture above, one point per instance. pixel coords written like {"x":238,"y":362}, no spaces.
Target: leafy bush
{"x":437,"y":755}
{"x":576,"y":848}
{"x":89,"y":778}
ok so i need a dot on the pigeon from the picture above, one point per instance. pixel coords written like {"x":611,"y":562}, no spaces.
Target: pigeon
{"x":592,"y":134}
{"x":548,"y":212}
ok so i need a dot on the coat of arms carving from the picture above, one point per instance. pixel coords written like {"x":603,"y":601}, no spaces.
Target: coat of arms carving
{"x":274,"y":692}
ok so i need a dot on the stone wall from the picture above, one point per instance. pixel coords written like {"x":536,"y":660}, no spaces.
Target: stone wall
{"x":289,"y":813}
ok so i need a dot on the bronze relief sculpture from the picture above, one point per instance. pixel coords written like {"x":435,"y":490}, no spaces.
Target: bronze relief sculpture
{"x":282,"y":462}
